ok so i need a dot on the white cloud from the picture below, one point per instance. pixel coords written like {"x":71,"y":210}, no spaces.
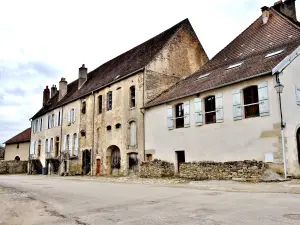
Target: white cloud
{"x":40,"y":41}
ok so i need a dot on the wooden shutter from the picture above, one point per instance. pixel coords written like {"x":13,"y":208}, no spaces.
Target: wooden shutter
{"x":198,"y":112}
{"x":170,"y":118}
{"x":49,"y":140}
{"x":298,"y":94}
{"x":263,"y":99}
{"x":76,"y":143}
{"x":186,"y":111}
{"x":219,"y":108}
{"x":65,"y":142}
{"x":46,"y":145}
{"x":74,"y":116}
{"x":236,"y":103}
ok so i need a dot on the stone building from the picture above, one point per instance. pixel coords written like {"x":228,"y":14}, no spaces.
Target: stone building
{"x":17,"y":148}
{"x":107,"y":134}
{"x":230,"y":110}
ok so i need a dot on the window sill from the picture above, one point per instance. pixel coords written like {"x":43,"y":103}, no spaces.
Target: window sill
{"x":131,"y":147}
{"x":132,"y":108}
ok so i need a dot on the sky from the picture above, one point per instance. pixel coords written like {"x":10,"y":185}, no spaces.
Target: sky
{"x":42,"y":41}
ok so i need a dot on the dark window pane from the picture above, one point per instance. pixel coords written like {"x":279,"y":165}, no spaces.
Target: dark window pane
{"x":251,"y":97}
{"x":100,"y":104}
{"x":179,"y":113}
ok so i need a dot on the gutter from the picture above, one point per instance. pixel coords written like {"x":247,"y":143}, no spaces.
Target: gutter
{"x":208,"y":89}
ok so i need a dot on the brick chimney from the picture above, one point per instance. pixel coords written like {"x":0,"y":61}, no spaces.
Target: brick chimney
{"x":46,"y":95}
{"x":265,"y":14}
{"x":53,"y":90}
{"x":63,"y":88}
{"x":287,"y":8}
{"x":82,"y":76}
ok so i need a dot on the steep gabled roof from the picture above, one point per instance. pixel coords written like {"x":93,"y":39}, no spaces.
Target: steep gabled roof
{"x":117,"y":68}
{"x":24,"y":136}
{"x":250,"y":49}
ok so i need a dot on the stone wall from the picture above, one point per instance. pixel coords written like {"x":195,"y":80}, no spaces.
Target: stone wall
{"x":236,"y":170}
{"x":13,"y":167}
{"x":74,"y":167}
{"x":157,"y":168}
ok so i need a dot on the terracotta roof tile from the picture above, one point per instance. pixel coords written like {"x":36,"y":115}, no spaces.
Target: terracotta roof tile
{"x":21,"y":137}
{"x":250,"y":47}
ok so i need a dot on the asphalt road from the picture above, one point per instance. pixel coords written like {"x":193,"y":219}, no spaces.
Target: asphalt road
{"x":52,"y":200}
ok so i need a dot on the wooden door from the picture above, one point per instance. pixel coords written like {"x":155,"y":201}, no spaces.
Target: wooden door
{"x":98,"y":167}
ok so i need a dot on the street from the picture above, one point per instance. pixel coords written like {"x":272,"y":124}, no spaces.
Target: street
{"x":57,"y":200}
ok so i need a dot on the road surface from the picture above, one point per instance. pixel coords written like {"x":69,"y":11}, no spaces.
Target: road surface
{"x":56,"y":200}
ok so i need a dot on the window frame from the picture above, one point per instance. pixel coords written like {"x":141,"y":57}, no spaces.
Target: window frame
{"x":83,"y":107}
{"x":179,"y":117}
{"x":256,"y":104}
{"x":100,"y":103}
{"x":213,"y":112}
{"x":132,"y":97}
{"x":109,"y":101}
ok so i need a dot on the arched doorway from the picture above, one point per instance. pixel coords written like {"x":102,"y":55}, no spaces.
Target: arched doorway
{"x":298,"y":144}
{"x":86,"y":162}
{"x":113,"y":160}
{"x":17,"y":158}
{"x":133,"y":161}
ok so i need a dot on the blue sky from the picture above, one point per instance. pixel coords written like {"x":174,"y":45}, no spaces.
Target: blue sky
{"x":41,"y":41}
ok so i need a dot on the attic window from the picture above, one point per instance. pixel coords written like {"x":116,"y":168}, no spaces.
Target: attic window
{"x":203,"y":76}
{"x":274,"y":53}
{"x":234,"y":65}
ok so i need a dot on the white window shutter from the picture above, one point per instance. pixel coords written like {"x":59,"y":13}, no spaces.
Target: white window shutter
{"x":46,"y":145}
{"x":74,"y":117}
{"x":132,"y":134}
{"x":186,"y":111}
{"x":53,"y":144}
{"x":170,"y":118}
{"x":198,"y":112}
{"x":76,"y":143}
{"x":71,"y":143}
{"x":69,"y":116}
{"x":219,"y":108}
{"x":32,"y":148}
{"x":236,"y":103}
{"x":65,"y":140}
{"x":61,"y":116}
{"x":49,"y":140}
{"x":298,"y":94}
{"x":263,"y":99}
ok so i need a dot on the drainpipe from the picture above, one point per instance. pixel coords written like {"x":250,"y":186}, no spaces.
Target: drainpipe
{"x":92,"y":153}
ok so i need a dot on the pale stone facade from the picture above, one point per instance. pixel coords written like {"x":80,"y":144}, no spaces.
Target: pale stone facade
{"x":17,"y":149}
{"x":244,"y":139}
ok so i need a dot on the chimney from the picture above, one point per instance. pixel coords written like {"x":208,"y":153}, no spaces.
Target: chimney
{"x":287,"y":8}
{"x":63,"y":88}
{"x":53,"y":90}
{"x":46,"y":95}
{"x":265,"y":14}
{"x":82,"y":76}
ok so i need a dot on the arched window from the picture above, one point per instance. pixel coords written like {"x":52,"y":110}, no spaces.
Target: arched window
{"x":17,"y":158}
{"x":132,"y":96}
{"x":83,"y":108}
{"x":179,"y":113}
{"x":210,"y":109}
{"x":251,"y":103}
{"x":133,"y":137}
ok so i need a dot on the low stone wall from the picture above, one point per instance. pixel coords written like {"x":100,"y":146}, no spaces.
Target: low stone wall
{"x":237,"y":170}
{"x":13,"y":167}
{"x":157,"y":168}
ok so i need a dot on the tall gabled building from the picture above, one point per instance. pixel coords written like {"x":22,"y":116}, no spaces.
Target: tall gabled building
{"x":95,"y":125}
{"x":230,"y":110}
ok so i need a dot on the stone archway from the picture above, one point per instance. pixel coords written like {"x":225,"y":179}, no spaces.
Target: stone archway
{"x":113,"y":160}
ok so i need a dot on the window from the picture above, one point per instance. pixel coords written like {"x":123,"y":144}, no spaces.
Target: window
{"x":132,"y":96}
{"x":75,"y":144}
{"x":108,"y":127}
{"x":39,"y":148}
{"x":100,"y":104}
{"x":132,"y":133}
{"x":210,"y":109}
{"x":17,"y":158}
{"x":51,"y":145}
{"x":149,"y":157}
{"x":58,"y":119}
{"x":118,"y":125}
{"x":179,"y":114}
{"x":41,"y":124}
{"x":49,"y":122}
{"x":68,"y":142}
{"x":83,"y":108}
{"x":109,"y":101}
{"x":52,"y":120}
{"x":56,"y":147}
{"x":36,"y":126}
{"x":251,"y":103}
{"x":73,"y":116}
{"x":18,"y":145}
{"x":46,"y":145}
